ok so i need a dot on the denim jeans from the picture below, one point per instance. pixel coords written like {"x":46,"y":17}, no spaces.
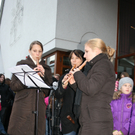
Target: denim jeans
{"x":47,"y":128}
{"x":2,"y":114}
{"x":2,"y":130}
{"x":71,"y":133}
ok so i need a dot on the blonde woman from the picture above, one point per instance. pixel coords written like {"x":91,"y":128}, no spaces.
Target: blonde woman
{"x":97,"y":84}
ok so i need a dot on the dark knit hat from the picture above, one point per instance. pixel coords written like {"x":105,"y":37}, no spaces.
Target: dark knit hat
{"x":125,"y":80}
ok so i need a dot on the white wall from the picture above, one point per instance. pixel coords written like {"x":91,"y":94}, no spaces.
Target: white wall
{"x":24,"y":21}
{"x":1,"y":63}
{"x":58,"y":24}
{"x":81,"y":20}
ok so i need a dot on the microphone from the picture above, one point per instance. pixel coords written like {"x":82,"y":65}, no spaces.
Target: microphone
{"x":55,"y":85}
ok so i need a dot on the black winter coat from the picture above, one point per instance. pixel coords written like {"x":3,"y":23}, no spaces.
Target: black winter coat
{"x":68,"y":96}
{"x":4,"y":92}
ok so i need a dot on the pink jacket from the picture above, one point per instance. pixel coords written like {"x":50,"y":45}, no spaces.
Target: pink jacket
{"x":46,"y":101}
{"x":116,"y":85}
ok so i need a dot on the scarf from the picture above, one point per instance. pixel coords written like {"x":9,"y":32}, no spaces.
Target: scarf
{"x":78,"y":96}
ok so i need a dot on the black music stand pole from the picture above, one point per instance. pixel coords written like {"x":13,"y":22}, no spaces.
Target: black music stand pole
{"x":38,"y":89}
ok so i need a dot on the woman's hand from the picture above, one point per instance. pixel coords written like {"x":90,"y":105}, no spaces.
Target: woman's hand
{"x":72,"y":80}
{"x":41,"y":69}
{"x":64,"y":85}
{"x":71,"y":73}
{"x":70,"y":77}
{"x":75,"y":70}
{"x":65,"y":78}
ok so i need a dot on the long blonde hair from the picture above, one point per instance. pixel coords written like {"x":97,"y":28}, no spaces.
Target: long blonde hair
{"x":99,"y":43}
{"x":117,"y":95}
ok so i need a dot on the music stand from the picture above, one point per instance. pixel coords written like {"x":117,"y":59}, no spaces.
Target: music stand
{"x":25,"y":72}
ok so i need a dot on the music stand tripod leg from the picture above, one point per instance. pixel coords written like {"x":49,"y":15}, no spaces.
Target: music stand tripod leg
{"x":36,"y":112}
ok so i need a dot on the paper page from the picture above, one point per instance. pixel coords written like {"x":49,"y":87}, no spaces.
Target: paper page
{"x":23,"y":71}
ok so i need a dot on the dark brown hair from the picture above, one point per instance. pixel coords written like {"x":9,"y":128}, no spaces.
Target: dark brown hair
{"x":7,"y":81}
{"x":4,"y":77}
{"x":125,"y":74}
{"x":78,"y":53}
{"x":36,"y":42}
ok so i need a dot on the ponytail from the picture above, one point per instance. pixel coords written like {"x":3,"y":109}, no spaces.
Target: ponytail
{"x":99,"y":43}
{"x":110,"y":53}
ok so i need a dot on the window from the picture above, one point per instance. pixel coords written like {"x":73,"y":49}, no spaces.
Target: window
{"x":58,"y":62}
{"x":126,"y":27}
{"x":125,"y":57}
{"x":126,"y":65}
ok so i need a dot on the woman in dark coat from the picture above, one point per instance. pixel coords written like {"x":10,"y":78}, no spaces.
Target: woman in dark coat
{"x":11,"y":96}
{"x":97,"y":84}
{"x":4,"y":94}
{"x":22,"y":119}
{"x":68,"y":95}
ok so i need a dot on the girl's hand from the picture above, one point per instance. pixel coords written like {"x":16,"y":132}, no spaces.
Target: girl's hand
{"x":116,"y":132}
{"x":119,"y":133}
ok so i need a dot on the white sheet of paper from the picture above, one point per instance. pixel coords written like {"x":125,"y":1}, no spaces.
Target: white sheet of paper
{"x":18,"y":70}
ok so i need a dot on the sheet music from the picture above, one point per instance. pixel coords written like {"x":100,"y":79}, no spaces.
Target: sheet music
{"x":23,"y":77}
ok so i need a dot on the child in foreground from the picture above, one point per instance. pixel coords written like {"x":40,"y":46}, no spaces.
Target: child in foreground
{"x":123,"y":108}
